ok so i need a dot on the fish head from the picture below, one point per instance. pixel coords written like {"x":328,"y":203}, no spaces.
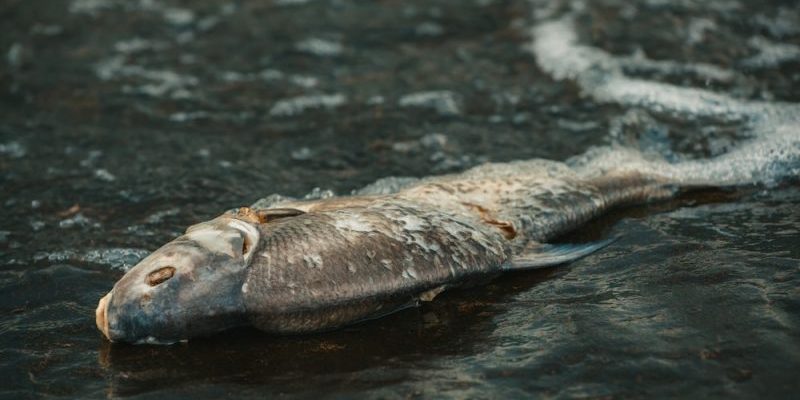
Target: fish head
{"x":189,"y":287}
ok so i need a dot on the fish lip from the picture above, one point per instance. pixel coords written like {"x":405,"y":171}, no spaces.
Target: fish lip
{"x":101,"y":316}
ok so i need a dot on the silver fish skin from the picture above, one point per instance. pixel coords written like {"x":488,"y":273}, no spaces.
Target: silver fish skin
{"x":304,"y":266}
{"x":354,"y":258}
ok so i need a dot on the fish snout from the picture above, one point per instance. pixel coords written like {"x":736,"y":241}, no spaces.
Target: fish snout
{"x":188,"y":287}
{"x":101,"y":315}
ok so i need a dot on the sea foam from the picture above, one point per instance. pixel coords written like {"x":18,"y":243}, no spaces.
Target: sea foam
{"x":771,"y":155}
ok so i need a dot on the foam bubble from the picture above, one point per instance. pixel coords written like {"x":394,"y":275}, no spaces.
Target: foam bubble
{"x":443,"y":102}
{"x":320,"y":47}
{"x":297,"y":105}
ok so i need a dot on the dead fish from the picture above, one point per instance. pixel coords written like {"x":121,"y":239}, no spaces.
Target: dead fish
{"x":305,"y":266}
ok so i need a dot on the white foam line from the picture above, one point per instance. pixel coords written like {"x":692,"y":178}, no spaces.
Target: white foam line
{"x":770,"y":54}
{"x":664,"y":97}
{"x":600,"y":75}
{"x":772,"y":155}
{"x":557,"y":52}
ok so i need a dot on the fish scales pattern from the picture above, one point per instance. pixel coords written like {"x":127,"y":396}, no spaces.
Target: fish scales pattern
{"x":354,"y":258}
{"x":326,"y":269}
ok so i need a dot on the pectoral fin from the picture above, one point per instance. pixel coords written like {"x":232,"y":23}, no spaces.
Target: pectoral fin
{"x":546,"y":255}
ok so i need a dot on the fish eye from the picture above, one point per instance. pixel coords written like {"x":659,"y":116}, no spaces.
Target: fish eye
{"x":160,"y":275}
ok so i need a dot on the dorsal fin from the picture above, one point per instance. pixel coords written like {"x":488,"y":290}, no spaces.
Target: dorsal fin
{"x":266,"y":215}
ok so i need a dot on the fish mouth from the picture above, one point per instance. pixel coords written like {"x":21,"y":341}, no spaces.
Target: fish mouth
{"x":101,"y":315}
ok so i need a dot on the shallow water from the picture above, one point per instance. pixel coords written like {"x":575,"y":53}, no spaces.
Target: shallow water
{"x":124,"y":122}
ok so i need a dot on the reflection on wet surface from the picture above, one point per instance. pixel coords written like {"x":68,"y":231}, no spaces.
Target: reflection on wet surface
{"x":124,"y":122}
{"x":459,"y":325}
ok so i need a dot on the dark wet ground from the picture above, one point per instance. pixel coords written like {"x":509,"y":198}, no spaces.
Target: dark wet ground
{"x":123,"y":122}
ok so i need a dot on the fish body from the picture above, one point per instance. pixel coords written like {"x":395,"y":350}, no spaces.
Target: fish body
{"x":303,"y":266}
{"x":354,"y":258}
